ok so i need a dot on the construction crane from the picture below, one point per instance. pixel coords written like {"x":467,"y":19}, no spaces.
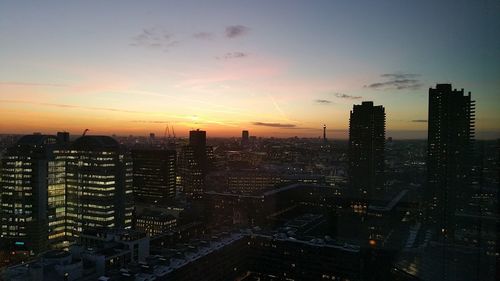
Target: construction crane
{"x":85,"y":132}
{"x":167,"y":132}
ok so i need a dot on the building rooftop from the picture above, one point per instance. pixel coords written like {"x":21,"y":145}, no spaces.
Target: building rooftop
{"x":36,"y":139}
{"x":95,"y":142}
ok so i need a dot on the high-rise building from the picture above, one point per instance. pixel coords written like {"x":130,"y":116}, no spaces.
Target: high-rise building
{"x":198,"y":139}
{"x":449,"y":156}
{"x":193,"y":165}
{"x":99,"y":189}
{"x":366,"y":149}
{"x":32,"y":190}
{"x":154,"y":174}
{"x":245,"y":137}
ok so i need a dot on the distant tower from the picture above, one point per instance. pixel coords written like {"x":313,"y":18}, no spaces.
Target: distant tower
{"x":366,"y":149}
{"x":244,"y":137}
{"x":324,"y":133}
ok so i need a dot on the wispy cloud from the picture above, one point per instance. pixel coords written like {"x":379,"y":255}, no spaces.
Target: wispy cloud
{"x":204,"y":35}
{"x":274,"y":125}
{"x":320,"y":101}
{"x":287,"y":126}
{"x":419,"y":121}
{"x":61,"y":105}
{"x":232,"y":55}
{"x":397,"y":81}
{"x":30,"y":84}
{"x":151,"y":121}
{"x":400,"y":75}
{"x":345,"y":96}
{"x":156,"y":38}
{"x":234,"y":31}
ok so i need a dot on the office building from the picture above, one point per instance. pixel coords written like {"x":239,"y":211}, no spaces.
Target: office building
{"x":32,"y":190}
{"x":193,"y":165}
{"x":154,"y":174}
{"x":366,"y":149}
{"x":99,"y":185}
{"x":154,"y":222}
{"x":247,"y":181}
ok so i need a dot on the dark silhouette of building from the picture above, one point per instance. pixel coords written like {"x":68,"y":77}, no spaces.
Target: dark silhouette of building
{"x":198,"y":139}
{"x":451,"y":211}
{"x":366,"y":149}
{"x":324,"y":134}
{"x":98,"y":185}
{"x":154,"y":174}
{"x":194,"y":165}
{"x":245,"y":137}
{"x":32,"y":189}
{"x":449,"y":156}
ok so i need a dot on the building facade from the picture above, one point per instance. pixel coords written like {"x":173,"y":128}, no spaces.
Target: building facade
{"x":194,"y":165}
{"x":154,"y":174}
{"x":32,"y":190}
{"x":99,"y":185}
{"x":449,"y":156}
{"x":366,"y":149}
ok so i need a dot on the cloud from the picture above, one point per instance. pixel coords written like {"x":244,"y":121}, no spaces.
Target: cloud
{"x":156,"y":38}
{"x":233,"y":55}
{"x":234,"y":31}
{"x":275,"y":125}
{"x":419,"y":121}
{"x":151,"y":121}
{"x":204,"y":35}
{"x":345,"y":96}
{"x":320,"y":101}
{"x":60,"y":105}
{"x":397,"y":81}
{"x":30,"y":84}
{"x":400,"y":75}
{"x":287,"y":126}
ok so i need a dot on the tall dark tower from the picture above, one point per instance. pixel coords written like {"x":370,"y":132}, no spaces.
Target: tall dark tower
{"x":366,"y":149}
{"x":198,"y":139}
{"x":324,"y":133}
{"x":154,"y":174}
{"x":449,"y":156}
{"x":244,"y":137}
{"x":193,"y":165}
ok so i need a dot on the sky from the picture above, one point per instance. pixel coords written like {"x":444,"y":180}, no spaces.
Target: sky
{"x":275,"y":68}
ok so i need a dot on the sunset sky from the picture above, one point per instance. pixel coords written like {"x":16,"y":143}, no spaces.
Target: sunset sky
{"x":276,"y":68}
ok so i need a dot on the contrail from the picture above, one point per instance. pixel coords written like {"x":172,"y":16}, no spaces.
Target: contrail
{"x":279,"y":109}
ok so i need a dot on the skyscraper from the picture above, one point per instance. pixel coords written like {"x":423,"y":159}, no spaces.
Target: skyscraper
{"x":154,"y":174}
{"x":366,"y":149}
{"x":194,"y":164}
{"x":32,"y":213}
{"x":449,"y":156}
{"x":198,"y":139}
{"x":99,"y":185}
{"x":244,"y":137}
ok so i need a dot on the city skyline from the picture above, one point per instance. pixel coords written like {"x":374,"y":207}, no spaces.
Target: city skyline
{"x":273,"y":69}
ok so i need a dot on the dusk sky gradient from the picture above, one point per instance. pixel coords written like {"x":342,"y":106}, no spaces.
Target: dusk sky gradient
{"x":276,"y":68}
